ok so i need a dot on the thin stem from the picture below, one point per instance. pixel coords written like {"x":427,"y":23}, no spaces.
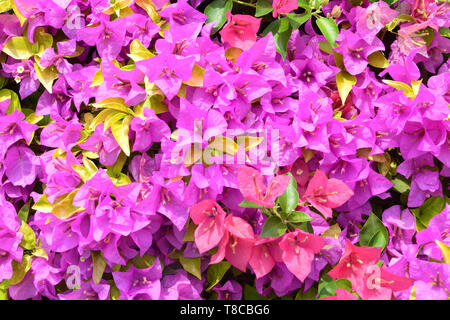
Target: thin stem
{"x":245,"y":3}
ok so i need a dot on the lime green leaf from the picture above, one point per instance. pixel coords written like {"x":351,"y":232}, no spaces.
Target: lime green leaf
{"x":87,"y":170}
{"x":409,"y":91}
{"x":5,"y":5}
{"x":64,"y":208}
{"x":196,"y":79}
{"x":138,"y":52}
{"x":378,"y":60}
{"x":289,"y":199}
{"x":115,"y":104}
{"x":3,"y":294}
{"x":14,"y":103}
{"x":263,"y":7}
{"x":98,"y":79}
{"x":299,"y":216}
{"x":19,"y":48}
{"x":120,"y":132}
{"x":296,"y":20}
{"x":216,"y":272}
{"x":46,"y":76}
{"x":43,"y":205}
{"x":273,"y":227}
{"x":113,"y":118}
{"x":344,"y":82}
{"x":216,"y":12}
{"x":445,"y":251}
{"x":329,"y":29}
{"x":29,"y":237}
{"x":192,"y":265}
{"x":99,"y":266}
{"x":373,"y":233}
{"x":40,"y":252}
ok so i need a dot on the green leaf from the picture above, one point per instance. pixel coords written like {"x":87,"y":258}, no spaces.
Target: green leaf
{"x":311,"y":294}
{"x":281,"y":30}
{"x":445,"y":32}
{"x":216,"y":272}
{"x":329,"y":29}
{"x":249,"y":204}
{"x":250,"y":293}
{"x":3,"y":294}
{"x":14,"y":103}
{"x":263,"y":7}
{"x":29,"y":237}
{"x":64,"y":208}
{"x":299,"y":216}
{"x":445,"y":249}
{"x":120,"y":132}
{"x":431,"y":207}
{"x":144,"y":262}
{"x":373,"y":233}
{"x":216,"y":12}
{"x":46,"y":75}
{"x":18,"y":48}
{"x":328,"y":286}
{"x":273,"y":227}
{"x":289,"y":199}
{"x":20,"y":269}
{"x":23,"y":212}
{"x":99,"y":266}
{"x":192,"y":265}
{"x":344,"y":82}
{"x":400,"y":185}
{"x":378,"y":60}
{"x":43,"y":205}
{"x":296,"y":20}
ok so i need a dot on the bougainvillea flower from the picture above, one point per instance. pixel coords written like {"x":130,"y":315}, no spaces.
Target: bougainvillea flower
{"x":237,"y":244}
{"x":438,"y":229}
{"x":325,"y":194}
{"x":341,"y":294}
{"x":283,"y":6}
{"x":299,"y":248}
{"x":251,"y":184}
{"x":231,"y":290}
{"x":240,"y":30}
{"x":210,"y":218}
{"x":354,"y":262}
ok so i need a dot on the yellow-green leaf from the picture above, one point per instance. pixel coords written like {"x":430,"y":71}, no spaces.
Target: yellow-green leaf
{"x":196,"y":79}
{"x":43,"y":205}
{"x":114,"y":103}
{"x":14,"y":103}
{"x":19,"y":15}
{"x":98,"y":79}
{"x":192,"y":265}
{"x":64,"y":208}
{"x":28,"y":236}
{"x":46,"y":76}
{"x":445,"y":251}
{"x":19,"y":48}
{"x":113,"y":118}
{"x":409,"y":91}
{"x":138,"y":52}
{"x":224,"y":145}
{"x":40,"y":252}
{"x":20,"y":269}
{"x":101,"y":117}
{"x":99,"y":266}
{"x":345,"y":82}
{"x":120,"y":132}
{"x":378,"y":60}
{"x":5,"y":5}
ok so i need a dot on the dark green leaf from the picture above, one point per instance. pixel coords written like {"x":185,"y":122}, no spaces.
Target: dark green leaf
{"x":431,"y":207}
{"x":329,"y":29}
{"x":311,"y":294}
{"x":263,"y":7}
{"x":296,"y":20}
{"x":217,"y":12}
{"x":273,"y":228}
{"x":289,"y":199}
{"x":216,"y":272}
{"x":373,"y":233}
{"x":250,"y":293}
{"x":281,"y":30}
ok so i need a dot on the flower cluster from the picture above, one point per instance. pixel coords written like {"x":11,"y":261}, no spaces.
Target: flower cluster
{"x":199,"y":149}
